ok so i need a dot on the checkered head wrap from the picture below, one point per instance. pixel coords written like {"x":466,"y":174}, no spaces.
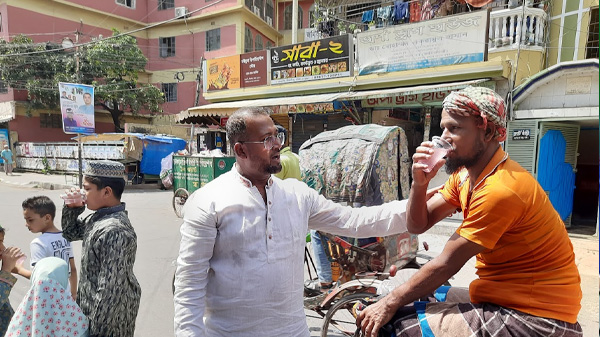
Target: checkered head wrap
{"x":479,"y":101}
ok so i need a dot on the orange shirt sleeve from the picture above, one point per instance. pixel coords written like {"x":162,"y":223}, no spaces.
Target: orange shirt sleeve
{"x":450,"y":192}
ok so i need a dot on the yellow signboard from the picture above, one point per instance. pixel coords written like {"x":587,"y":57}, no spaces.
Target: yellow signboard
{"x":223,"y":73}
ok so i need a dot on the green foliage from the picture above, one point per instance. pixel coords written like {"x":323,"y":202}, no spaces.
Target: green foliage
{"x":111,"y":66}
{"x":46,"y":169}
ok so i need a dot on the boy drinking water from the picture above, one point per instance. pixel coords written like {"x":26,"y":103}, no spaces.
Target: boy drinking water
{"x":109,"y":293}
{"x":39,"y":215}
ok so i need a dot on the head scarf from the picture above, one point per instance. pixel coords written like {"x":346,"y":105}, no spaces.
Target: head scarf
{"x":47,"y":308}
{"x":479,"y":101}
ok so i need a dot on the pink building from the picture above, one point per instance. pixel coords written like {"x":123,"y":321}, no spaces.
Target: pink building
{"x":175,"y":36}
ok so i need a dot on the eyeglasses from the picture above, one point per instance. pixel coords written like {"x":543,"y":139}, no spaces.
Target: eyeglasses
{"x":269,"y":141}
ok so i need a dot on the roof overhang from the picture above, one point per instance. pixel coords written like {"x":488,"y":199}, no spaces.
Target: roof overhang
{"x":7,"y":111}
{"x":545,"y":76}
{"x":225,"y":109}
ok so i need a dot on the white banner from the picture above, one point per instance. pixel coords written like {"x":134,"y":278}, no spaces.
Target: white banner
{"x":441,"y":41}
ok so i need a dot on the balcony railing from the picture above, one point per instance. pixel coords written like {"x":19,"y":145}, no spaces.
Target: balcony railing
{"x":509,"y":26}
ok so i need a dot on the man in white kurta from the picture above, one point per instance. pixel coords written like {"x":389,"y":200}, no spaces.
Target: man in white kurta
{"x":240,"y":264}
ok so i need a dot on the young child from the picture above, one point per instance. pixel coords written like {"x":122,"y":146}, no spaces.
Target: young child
{"x":48,"y":289}
{"x":9,"y":257}
{"x":39,"y":215}
{"x":109,"y":293}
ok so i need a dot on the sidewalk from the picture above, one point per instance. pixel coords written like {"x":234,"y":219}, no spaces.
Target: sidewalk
{"x":38,"y":180}
{"x":53,"y":181}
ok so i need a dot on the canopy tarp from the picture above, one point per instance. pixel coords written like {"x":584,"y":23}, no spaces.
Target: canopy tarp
{"x":148,"y":149}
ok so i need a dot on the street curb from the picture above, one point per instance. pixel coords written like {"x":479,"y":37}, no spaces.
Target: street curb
{"x":51,"y":186}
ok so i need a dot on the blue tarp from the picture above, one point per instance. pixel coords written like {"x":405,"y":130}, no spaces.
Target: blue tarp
{"x":556,"y":176}
{"x":156,"y":147}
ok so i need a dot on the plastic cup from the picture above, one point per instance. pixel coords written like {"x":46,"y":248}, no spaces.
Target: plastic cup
{"x":440,"y":150}
{"x":21,"y":260}
{"x":75,"y":197}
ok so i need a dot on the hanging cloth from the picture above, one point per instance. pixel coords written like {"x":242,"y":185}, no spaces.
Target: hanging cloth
{"x":415,"y":11}
{"x":367,"y":16}
{"x":426,"y":11}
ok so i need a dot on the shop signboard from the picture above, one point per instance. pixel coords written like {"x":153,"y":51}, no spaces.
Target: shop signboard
{"x":411,"y":99}
{"x":303,"y":108}
{"x":77,"y":107}
{"x":223,"y":73}
{"x":521,"y":134}
{"x":442,"y":41}
{"x":312,"y":60}
{"x":254,"y":69}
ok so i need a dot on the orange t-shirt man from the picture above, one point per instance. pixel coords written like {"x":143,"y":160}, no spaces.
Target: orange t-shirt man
{"x":529,"y":264}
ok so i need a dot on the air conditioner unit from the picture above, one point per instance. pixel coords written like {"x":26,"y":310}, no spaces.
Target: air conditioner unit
{"x":269,"y":21}
{"x":256,"y":10}
{"x":181,"y":12}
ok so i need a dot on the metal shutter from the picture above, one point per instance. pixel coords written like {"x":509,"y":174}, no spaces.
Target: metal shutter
{"x":336,"y":121}
{"x":523,"y":151}
{"x":306,"y":126}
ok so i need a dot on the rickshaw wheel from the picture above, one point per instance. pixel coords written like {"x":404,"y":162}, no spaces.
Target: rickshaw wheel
{"x":339,"y":320}
{"x":179,"y":198}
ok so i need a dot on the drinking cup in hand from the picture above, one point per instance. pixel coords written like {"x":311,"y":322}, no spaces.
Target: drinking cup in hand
{"x":440,"y":150}
{"x":73,"y":197}
{"x":21,"y":260}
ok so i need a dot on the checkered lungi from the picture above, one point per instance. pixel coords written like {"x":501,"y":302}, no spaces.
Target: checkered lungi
{"x":428,"y":319}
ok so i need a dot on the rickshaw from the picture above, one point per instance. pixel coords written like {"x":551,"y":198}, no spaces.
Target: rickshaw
{"x":192,"y":172}
{"x":359,"y":166}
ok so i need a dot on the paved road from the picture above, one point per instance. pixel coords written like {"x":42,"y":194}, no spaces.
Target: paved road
{"x":157,"y":228}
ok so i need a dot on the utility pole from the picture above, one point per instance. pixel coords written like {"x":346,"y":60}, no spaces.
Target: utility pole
{"x":79,"y":145}
{"x":295,"y":21}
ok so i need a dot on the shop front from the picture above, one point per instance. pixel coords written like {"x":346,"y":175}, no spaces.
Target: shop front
{"x":554,"y":135}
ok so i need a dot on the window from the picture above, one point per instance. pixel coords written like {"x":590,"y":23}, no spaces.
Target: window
{"x":591,"y":48}
{"x":248,"y":43}
{"x":261,"y":8}
{"x":48,"y":121}
{"x":248,"y":4}
{"x":170,"y":91}
{"x":166,"y":4}
{"x":3,"y":87}
{"x":258,"y":43}
{"x":287,"y":17}
{"x":126,"y":3}
{"x":269,"y":44}
{"x":167,"y":46}
{"x":269,"y":10}
{"x":213,"y":39}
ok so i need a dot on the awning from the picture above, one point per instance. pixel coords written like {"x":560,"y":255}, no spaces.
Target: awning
{"x":225,"y":109}
{"x":381,"y":93}
{"x":7,"y":111}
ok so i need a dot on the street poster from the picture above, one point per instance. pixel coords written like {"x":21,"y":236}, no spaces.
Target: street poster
{"x":223,"y":73}
{"x":424,"y":44}
{"x":77,"y":107}
{"x":254,"y":69}
{"x":312,"y":60}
